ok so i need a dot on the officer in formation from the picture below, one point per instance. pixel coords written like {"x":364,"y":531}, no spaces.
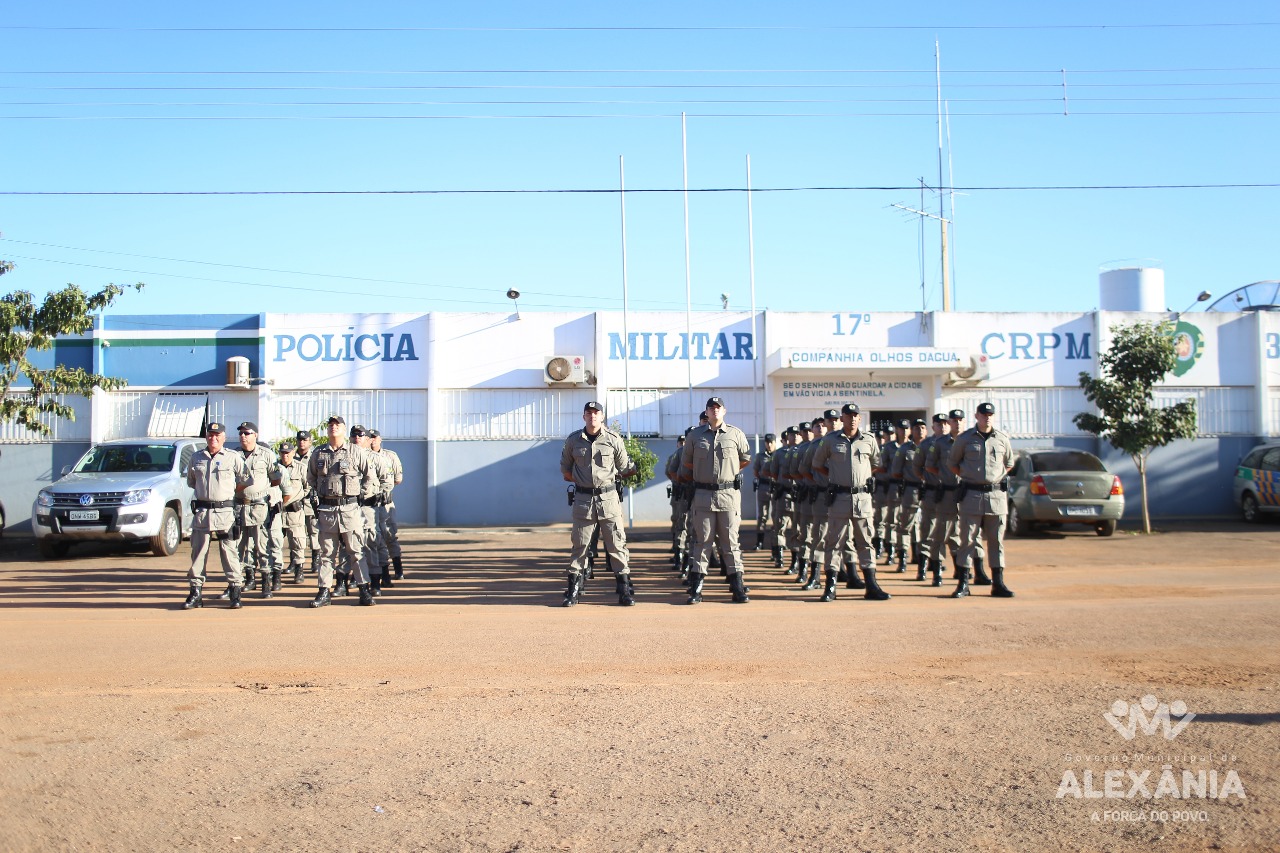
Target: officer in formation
{"x":303,"y":458}
{"x":946,"y":531}
{"x":776,"y":533}
{"x":679,"y":509}
{"x":294,"y":493}
{"x":594,"y":461}
{"x":340,"y":472}
{"x":761,"y":484}
{"x":982,"y":458}
{"x":908,"y":483}
{"x":800,"y":513}
{"x":928,"y":501}
{"x":784,"y":501}
{"x":713,"y":458}
{"x":880,"y":497}
{"x":819,"y":508}
{"x":217,"y":476}
{"x":848,"y":459}
{"x":253,"y":511}
{"x":892,"y":492}
{"x":376,"y":560}
{"x":388,"y":529}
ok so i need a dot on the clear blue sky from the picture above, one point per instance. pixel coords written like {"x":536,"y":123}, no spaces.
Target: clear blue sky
{"x":502,"y":97}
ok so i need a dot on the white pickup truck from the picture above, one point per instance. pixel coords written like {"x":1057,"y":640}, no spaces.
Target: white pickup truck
{"x":126,"y":489}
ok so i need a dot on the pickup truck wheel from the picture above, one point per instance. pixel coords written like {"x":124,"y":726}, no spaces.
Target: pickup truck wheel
{"x":166,"y":542}
{"x":52,"y":549}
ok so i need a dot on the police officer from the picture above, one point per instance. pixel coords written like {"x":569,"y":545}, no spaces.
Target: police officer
{"x":777,"y":502}
{"x":303,"y":457}
{"x":763,"y":489}
{"x":847,"y":459}
{"x":293,"y":489}
{"x":816,"y":522}
{"x":388,"y":528}
{"x":982,"y":458}
{"x":880,"y":498}
{"x":787,"y":526}
{"x":338,"y":471}
{"x":594,"y":460}
{"x":803,"y":504}
{"x":713,"y":459}
{"x":679,"y":509}
{"x":216,"y":475}
{"x":946,"y":530}
{"x":371,"y":489}
{"x":893,"y":492}
{"x":904,"y":475}
{"x":928,"y":499}
{"x":254,"y":506}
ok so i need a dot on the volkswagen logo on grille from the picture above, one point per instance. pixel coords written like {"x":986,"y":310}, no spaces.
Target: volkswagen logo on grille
{"x":86,"y":500}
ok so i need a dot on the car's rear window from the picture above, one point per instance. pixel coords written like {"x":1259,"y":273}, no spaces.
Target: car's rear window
{"x":1067,"y":460}
{"x":126,"y":458}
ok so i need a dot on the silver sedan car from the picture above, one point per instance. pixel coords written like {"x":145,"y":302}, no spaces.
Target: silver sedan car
{"x":1054,"y":486}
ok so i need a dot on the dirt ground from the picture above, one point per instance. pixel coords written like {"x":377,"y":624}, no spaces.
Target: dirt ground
{"x":467,"y":711}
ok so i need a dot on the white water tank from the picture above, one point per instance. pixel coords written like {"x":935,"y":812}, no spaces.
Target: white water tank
{"x":1131,"y":288}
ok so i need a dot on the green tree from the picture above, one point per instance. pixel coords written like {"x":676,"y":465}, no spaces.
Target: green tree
{"x":1139,"y":356}
{"x":643,"y":459}
{"x":27,"y":327}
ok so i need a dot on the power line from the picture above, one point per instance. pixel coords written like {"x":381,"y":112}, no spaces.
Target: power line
{"x":662,"y":29}
{"x":635,"y":191}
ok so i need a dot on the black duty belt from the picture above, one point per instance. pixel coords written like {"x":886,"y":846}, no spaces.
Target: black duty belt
{"x":338,"y":501}
{"x":214,"y":504}
{"x":714,"y":487}
{"x":296,"y":506}
{"x":983,"y":487}
{"x":851,"y":490}
{"x":252,"y":501}
{"x":909,"y":484}
{"x":945,"y":488}
{"x":603,"y":490}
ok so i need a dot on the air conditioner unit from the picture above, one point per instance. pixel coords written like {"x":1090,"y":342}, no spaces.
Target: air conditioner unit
{"x":979,"y":368}
{"x":564,"y":369}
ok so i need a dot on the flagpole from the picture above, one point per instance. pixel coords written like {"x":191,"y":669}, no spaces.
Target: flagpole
{"x":626,"y":336}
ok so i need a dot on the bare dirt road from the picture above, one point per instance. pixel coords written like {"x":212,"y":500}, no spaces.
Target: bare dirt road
{"x":466,"y":711}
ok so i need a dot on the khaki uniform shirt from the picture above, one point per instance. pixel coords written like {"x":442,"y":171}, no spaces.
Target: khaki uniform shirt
{"x":595,"y":464}
{"x":904,"y":461}
{"x":214,"y":476}
{"x":848,"y":461}
{"x":396,"y":471}
{"x":920,"y":463}
{"x":337,"y":473}
{"x":983,"y":459}
{"x":716,"y":456}
{"x":256,"y":499}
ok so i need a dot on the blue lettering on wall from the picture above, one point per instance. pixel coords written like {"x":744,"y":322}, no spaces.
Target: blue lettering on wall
{"x":655,"y":346}
{"x":1018,"y":346}
{"x":347,"y":347}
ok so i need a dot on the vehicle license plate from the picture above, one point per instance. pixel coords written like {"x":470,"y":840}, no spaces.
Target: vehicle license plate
{"x":1081,"y":510}
{"x":82,"y":515}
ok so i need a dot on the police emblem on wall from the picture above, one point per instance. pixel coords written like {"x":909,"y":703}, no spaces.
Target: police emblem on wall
{"x":1188,"y":346}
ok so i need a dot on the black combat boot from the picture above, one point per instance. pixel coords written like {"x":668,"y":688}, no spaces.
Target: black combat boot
{"x":920,"y":567}
{"x":225,"y":594}
{"x":777,"y":556}
{"x":267,"y":592}
{"x":795,"y":559}
{"x":322,"y":597}
{"x":366,"y":595}
{"x":802,"y":571}
{"x":738,"y":588}
{"x":998,"y":589}
{"x":812,"y":582}
{"x":275,"y":580}
{"x":852,"y":579}
{"x":622,"y":586}
{"x":251,"y":579}
{"x":829,"y":591}
{"x":873,"y":591}
{"x":194,"y":599}
{"x":935,"y":568}
{"x":875,"y":544}
{"x":343,"y":584}
{"x":297,"y":572}
{"x":375,"y":586}
{"x":902,"y":561}
{"x":386,"y":576}
{"x":573,"y":590}
{"x":888,"y":554}
{"x":979,"y":576}
{"x":235,"y":597}
{"x":695,"y":587}
{"x":398,"y":562}
{"x":962,"y":588}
